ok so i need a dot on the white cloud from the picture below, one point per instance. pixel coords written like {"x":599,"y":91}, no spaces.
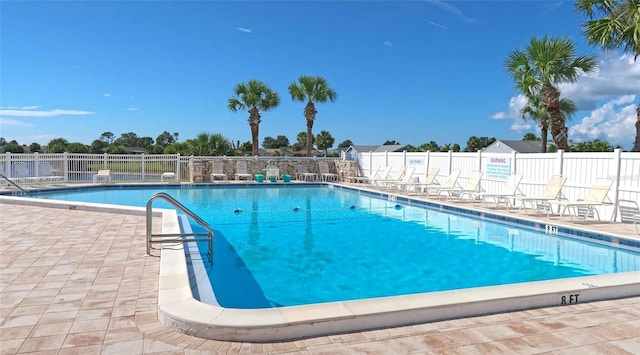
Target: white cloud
{"x":614,"y":122}
{"x":388,"y":43}
{"x":606,"y":102}
{"x":106,"y":94}
{"x":41,"y":113}
{"x":245,"y":30}
{"x":450,"y":9}
{"x":438,"y":25}
{"x":9,"y":122}
{"x":133,"y":109}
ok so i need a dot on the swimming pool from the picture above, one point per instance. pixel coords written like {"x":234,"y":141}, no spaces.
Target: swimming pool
{"x":297,"y":225}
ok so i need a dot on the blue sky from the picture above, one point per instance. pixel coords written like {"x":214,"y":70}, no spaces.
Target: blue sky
{"x":413,"y":72}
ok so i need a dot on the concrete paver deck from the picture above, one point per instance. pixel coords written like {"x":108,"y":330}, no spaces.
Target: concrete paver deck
{"x":77,"y":282}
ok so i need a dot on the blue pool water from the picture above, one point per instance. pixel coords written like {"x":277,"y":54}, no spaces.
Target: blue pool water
{"x":292,"y":245}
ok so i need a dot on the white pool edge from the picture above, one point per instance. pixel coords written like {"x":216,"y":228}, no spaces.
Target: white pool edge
{"x":180,"y":311}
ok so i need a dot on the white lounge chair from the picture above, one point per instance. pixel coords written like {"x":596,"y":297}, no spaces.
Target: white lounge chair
{"x":46,"y":174}
{"x":102,"y":175}
{"x":630,"y":213}
{"x":552,"y":192}
{"x":364,"y":179}
{"x":584,"y":208}
{"x":406,"y":179}
{"x":472,"y":186}
{"x":450,"y":183}
{"x":384,"y":175}
{"x":390,"y":180}
{"x":217,"y":171}
{"x":241,"y":171}
{"x":325,"y":174}
{"x":304,"y":174}
{"x":511,"y":190}
{"x":430,"y":179}
{"x":272,"y":174}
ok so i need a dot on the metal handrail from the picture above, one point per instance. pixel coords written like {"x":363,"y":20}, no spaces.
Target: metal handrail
{"x":177,"y":238}
{"x":13,"y":183}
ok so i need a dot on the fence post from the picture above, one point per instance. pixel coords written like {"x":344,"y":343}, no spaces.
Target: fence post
{"x":178,"y":168}
{"x":560,"y":162}
{"x":105,"y":161}
{"x":514,"y":157}
{"x":7,"y":167}
{"x":386,"y":158}
{"x":404,"y":157}
{"x":142,"y":160}
{"x":65,"y":165}
{"x":36,"y":165}
{"x":370,"y":163}
{"x":480,"y":160}
{"x":617,"y":156}
{"x":426,"y":172}
{"x":450,"y":161}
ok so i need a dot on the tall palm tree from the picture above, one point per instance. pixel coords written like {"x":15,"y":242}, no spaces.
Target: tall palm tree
{"x":537,"y":112}
{"x":540,"y":68}
{"x":254,"y":96}
{"x":311,"y":89}
{"x":325,"y":140}
{"x":618,"y":26}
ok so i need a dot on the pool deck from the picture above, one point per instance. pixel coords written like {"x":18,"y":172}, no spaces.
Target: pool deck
{"x":77,"y":282}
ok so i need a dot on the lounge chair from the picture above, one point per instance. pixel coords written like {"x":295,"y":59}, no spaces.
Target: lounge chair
{"x":102,"y":175}
{"x":364,"y":179}
{"x":325,"y":174}
{"x":511,"y":190}
{"x":217,"y":168}
{"x":387,"y":181}
{"x":596,"y":196}
{"x":450,"y":183}
{"x":552,"y":192}
{"x":271,"y":174}
{"x":472,"y":186}
{"x":304,"y":174}
{"x":242,"y":171}
{"x":406,"y":179}
{"x":430,"y":179}
{"x":630,"y":213}
{"x":384,"y":175}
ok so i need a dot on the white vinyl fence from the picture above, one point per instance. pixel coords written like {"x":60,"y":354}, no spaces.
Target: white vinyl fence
{"x":581,"y":169}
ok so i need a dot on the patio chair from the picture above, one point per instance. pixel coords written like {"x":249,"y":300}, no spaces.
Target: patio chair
{"x":586,"y":207}
{"x":384,"y":175}
{"x":47,"y":175}
{"x":102,"y":175}
{"x":472,"y":186}
{"x":511,"y":190}
{"x":271,"y":174}
{"x":430,"y":179}
{"x":242,"y":171}
{"x":406,"y":179}
{"x":450,"y":183}
{"x":304,"y":174}
{"x":325,"y":174}
{"x":217,"y":171}
{"x":364,"y":179}
{"x":387,"y":181}
{"x":629,"y":213}
{"x":552,"y":192}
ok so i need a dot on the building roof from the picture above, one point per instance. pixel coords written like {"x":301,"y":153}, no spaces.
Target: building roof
{"x":518,"y":146}
{"x":379,"y":148}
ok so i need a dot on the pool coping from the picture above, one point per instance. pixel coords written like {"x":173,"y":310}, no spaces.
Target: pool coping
{"x":179,"y":310}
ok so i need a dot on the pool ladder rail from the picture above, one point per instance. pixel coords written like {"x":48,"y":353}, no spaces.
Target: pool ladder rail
{"x":181,"y":237}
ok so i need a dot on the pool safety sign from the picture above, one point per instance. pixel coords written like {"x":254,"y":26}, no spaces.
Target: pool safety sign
{"x":498,"y":168}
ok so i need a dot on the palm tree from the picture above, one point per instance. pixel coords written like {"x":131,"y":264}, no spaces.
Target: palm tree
{"x":618,"y":26}
{"x":325,"y":140}
{"x":537,"y":112}
{"x":540,"y":68}
{"x":254,"y":96}
{"x":311,"y":89}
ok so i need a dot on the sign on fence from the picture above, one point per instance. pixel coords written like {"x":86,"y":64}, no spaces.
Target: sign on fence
{"x":498,"y":168}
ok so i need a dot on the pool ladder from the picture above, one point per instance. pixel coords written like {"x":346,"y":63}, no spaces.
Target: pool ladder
{"x":181,"y":237}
